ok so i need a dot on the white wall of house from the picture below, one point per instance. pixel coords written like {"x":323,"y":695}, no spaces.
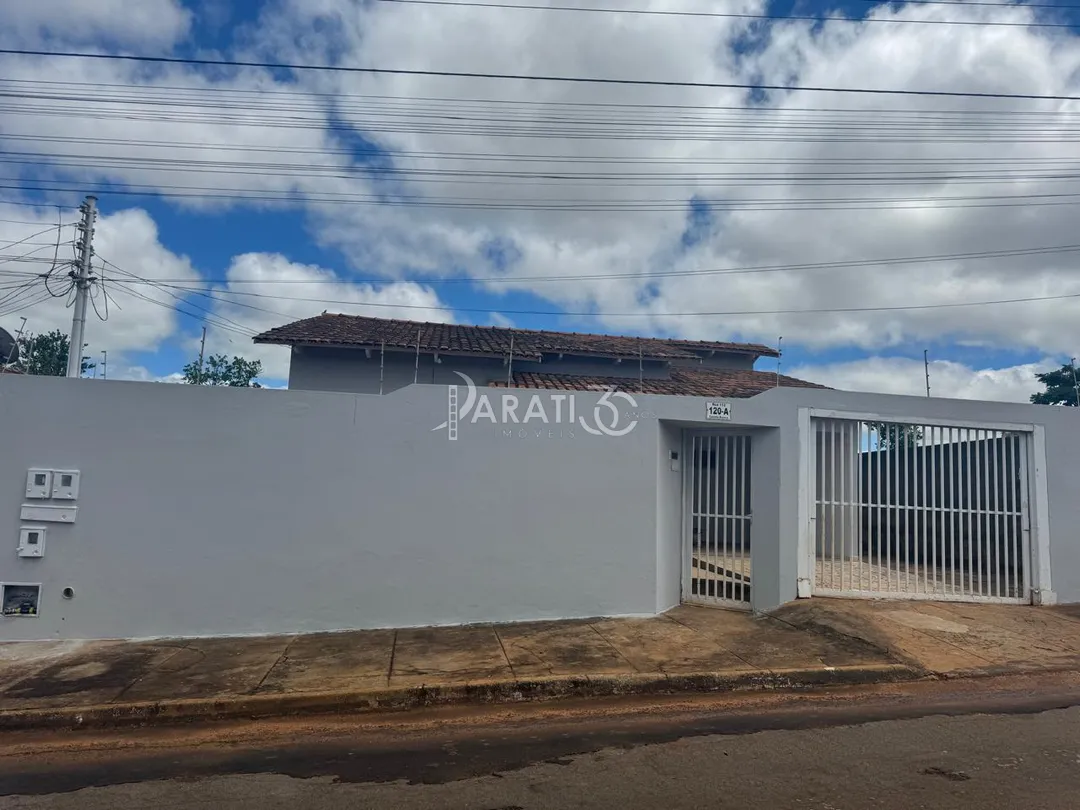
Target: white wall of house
{"x":226,"y":511}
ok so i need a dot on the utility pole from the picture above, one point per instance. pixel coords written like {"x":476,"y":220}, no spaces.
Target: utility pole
{"x":83,"y":280}
{"x":15,"y":345}
{"x":104,"y":364}
{"x":202,"y":350}
{"x":1076,"y":385}
{"x":926,"y":368}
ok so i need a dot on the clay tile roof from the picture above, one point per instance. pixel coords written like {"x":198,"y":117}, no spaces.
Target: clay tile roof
{"x":698,"y":382}
{"x":355,"y":330}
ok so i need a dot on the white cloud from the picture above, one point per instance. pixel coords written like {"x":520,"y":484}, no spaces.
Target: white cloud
{"x":113,"y":22}
{"x":794,"y":147}
{"x":902,"y":375}
{"x":265,"y":290}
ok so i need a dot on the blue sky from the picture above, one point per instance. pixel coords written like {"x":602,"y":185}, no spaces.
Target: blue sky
{"x":678,"y":184}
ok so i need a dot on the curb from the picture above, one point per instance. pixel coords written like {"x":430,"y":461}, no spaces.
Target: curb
{"x":482,"y":693}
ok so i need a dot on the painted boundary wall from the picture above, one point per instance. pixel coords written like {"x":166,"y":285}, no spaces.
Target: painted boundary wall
{"x":206,"y":511}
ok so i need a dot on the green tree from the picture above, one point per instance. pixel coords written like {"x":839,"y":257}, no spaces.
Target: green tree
{"x":220,"y":370}
{"x":46,"y":354}
{"x":1060,"y":387}
{"x":891,"y":436}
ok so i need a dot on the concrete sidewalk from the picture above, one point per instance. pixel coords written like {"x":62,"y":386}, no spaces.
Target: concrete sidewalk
{"x":950,"y":639}
{"x":810,"y":643}
{"x":79,"y":683}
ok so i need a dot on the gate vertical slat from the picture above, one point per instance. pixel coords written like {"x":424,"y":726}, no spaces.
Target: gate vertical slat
{"x":699,"y":474}
{"x":710,"y":560}
{"x":924,"y":537}
{"x":953,"y":453}
{"x":1007,"y":521}
{"x":1025,"y":517}
{"x":855,"y":509}
{"x":744,"y":509}
{"x":982,"y":554}
{"x":882,"y":560}
{"x":995,"y":508}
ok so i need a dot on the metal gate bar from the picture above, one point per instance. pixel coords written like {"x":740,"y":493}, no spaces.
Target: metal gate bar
{"x":719,"y":511}
{"x":920,"y":511}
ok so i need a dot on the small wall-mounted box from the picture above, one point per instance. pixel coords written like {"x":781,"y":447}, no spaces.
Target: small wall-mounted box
{"x":65,"y":485}
{"x":19,"y":599}
{"x":32,"y":541}
{"x":39,"y":484}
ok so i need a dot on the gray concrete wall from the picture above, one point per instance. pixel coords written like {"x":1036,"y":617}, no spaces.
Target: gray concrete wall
{"x":232,"y":511}
{"x":218,"y":511}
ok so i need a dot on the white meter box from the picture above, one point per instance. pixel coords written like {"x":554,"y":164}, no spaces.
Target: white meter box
{"x":38,"y":484}
{"x":65,"y":485}
{"x":32,"y":541}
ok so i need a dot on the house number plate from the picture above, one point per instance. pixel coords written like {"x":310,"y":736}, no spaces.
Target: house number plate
{"x":718,"y":411}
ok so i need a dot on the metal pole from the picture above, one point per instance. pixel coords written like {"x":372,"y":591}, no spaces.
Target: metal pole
{"x":416,"y":371}
{"x":779,"y":356}
{"x":382,"y":366}
{"x":15,"y":345}
{"x":640,"y":369}
{"x":926,"y":368}
{"x":104,"y":364}
{"x":202,"y":351}
{"x":83,"y":280}
{"x":510,"y":365}
{"x":1076,"y":385}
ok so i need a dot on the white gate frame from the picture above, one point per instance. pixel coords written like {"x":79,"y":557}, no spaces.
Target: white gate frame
{"x":1042,"y":592}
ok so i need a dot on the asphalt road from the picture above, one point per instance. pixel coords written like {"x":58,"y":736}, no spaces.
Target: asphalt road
{"x":1008,"y":743}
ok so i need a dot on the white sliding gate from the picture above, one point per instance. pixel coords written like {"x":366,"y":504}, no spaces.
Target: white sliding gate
{"x":920,"y":511}
{"x":718,"y":524}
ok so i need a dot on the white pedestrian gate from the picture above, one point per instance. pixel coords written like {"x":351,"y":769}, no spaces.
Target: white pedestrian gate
{"x":718,"y":524}
{"x":920,"y":511}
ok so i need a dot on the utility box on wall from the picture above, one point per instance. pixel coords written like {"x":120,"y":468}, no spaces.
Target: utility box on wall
{"x":65,"y":485}
{"x":31,"y":541}
{"x":39,"y":484}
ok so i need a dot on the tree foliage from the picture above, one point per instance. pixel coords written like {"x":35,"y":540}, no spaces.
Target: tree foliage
{"x":891,"y":436}
{"x":1060,"y":387}
{"x":220,"y":370}
{"x":46,"y":354}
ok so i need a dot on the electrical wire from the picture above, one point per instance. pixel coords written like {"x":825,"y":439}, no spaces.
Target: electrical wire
{"x":218,"y":320}
{"x":214,"y":292}
{"x":812,"y":205}
{"x":31,"y":236}
{"x":660,"y":274}
{"x":194,"y":62}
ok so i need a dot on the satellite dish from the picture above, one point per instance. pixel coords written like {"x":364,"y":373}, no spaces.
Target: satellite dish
{"x":9,"y":349}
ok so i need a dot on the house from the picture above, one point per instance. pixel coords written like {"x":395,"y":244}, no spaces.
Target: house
{"x":354,"y":354}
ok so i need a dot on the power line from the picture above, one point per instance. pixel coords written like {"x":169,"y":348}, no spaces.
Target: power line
{"x":814,"y":205}
{"x":31,"y":236}
{"x":26,"y":221}
{"x":732,"y":15}
{"x":219,"y":320}
{"x":176,"y":60}
{"x":262,"y":93}
{"x":648,"y":276}
{"x":213,"y":292}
